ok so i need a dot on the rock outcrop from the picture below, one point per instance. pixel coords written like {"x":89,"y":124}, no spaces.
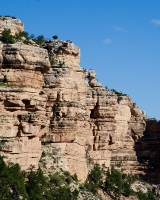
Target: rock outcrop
{"x":14,"y":24}
{"x":23,"y":119}
{"x":24,"y":65}
{"x":57,"y":107}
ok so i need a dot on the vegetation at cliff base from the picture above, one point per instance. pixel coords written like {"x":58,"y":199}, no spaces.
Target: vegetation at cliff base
{"x":34,"y":185}
{"x":114,"y":184}
{"x":12,"y":182}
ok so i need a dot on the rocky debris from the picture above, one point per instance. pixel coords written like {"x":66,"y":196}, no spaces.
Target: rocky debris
{"x":14,"y":24}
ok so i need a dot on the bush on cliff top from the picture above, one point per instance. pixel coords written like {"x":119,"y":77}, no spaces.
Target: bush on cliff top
{"x":4,"y":17}
{"x":21,"y":37}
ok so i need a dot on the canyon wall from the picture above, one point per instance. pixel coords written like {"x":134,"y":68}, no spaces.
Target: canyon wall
{"x":23,"y":117}
{"x":49,"y":104}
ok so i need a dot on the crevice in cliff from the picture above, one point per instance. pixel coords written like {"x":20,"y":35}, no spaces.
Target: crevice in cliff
{"x":94,"y":112}
{"x":28,"y":105}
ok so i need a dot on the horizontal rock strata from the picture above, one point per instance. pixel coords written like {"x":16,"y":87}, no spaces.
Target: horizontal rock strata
{"x":49,"y":103}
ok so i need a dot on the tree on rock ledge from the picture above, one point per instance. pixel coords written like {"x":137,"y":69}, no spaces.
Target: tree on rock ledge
{"x":55,"y":37}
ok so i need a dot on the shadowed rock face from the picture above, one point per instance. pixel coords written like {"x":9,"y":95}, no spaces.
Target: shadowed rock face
{"x":148,"y":151}
{"x":79,"y":122}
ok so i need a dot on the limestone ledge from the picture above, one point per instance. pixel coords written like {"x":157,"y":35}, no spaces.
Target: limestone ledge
{"x":24,"y":65}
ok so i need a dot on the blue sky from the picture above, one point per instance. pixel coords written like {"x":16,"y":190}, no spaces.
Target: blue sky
{"x":119,"y":39}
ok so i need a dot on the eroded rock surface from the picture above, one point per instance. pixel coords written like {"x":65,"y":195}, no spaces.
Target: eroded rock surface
{"x":14,"y":24}
{"x":88,"y":123}
{"x":23,"y":119}
{"x":57,"y":107}
{"x":24,"y":65}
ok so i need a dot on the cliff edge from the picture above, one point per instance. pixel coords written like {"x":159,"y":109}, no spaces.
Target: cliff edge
{"x":49,"y":103}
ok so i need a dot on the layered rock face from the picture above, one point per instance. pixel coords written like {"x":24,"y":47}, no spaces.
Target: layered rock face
{"x":69,"y":129}
{"x":24,"y":65}
{"x":23,"y":117}
{"x":57,"y":107}
{"x":88,"y":123}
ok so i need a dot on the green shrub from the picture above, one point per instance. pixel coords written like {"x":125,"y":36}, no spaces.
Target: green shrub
{"x":68,"y":180}
{"x":51,"y":59}
{"x":118,"y":93}
{"x":81,"y":187}
{"x":55,"y":37}
{"x":75,"y":194}
{"x":145,"y":196}
{"x":12,"y":182}
{"x":7,"y":16}
{"x":65,"y":44}
{"x":3,"y":84}
{"x":96,"y":175}
{"x":141,"y":195}
{"x":75,"y":177}
{"x":61,"y":64}
{"x":16,"y":182}
{"x":40,"y":40}
{"x":61,"y":193}
{"x":151,"y":195}
{"x":36,"y":184}
{"x":66,"y":173}
{"x":43,"y":154}
{"x":7,"y":37}
{"x":57,"y":179}
{"x":94,"y":179}
{"x":117,"y":183}
{"x":91,"y":187}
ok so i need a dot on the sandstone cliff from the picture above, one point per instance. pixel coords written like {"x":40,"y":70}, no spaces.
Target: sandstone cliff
{"x":11,"y":23}
{"x":49,"y":103}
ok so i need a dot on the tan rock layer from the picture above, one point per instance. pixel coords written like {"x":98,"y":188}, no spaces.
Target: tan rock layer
{"x":15,"y":25}
{"x":80,"y":123}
